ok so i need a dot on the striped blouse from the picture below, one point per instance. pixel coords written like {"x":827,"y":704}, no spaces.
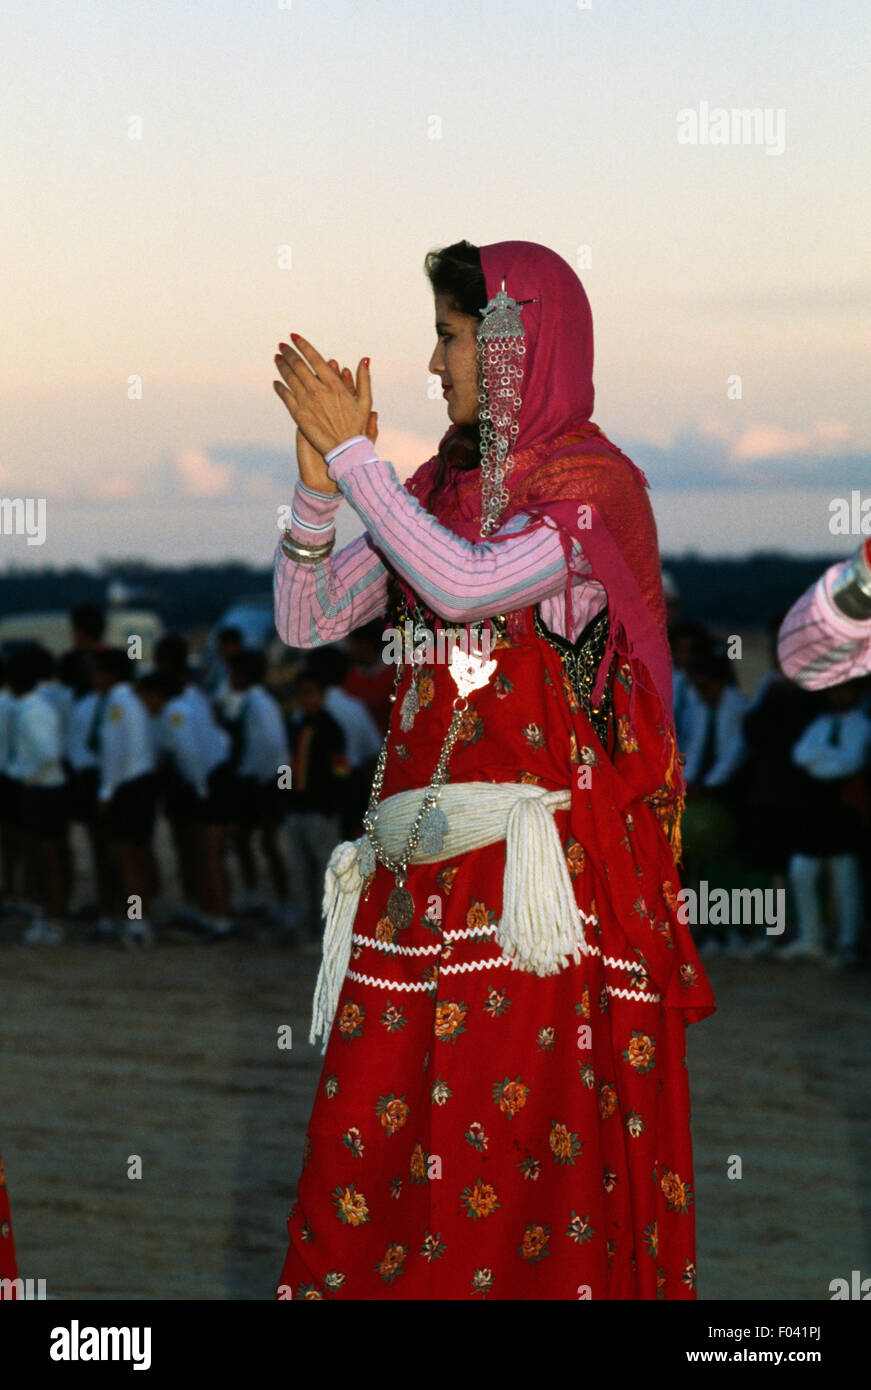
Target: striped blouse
{"x":456,"y":579}
{"x":818,"y":645}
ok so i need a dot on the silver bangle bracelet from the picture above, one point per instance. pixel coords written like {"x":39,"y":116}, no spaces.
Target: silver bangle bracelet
{"x":851,"y":592}
{"x":305,"y":554}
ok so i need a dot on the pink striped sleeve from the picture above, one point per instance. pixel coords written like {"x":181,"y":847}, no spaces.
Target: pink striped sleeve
{"x":316,"y":604}
{"x":460,"y":581}
{"x":818,"y":645}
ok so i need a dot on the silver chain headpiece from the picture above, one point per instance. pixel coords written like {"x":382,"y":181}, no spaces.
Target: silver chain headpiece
{"x":501,"y":349}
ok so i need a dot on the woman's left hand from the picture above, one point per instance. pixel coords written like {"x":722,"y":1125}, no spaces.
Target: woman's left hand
{"x":321,"y":405}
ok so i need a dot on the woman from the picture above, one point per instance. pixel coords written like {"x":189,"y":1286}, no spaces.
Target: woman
{"x":503,"y":1110}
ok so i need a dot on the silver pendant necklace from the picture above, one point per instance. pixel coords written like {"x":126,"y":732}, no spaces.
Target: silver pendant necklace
{"x":429,"y":827}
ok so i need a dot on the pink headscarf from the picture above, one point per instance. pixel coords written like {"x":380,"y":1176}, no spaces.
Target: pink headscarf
{"x":557,"y":390}
{"x":561,"y":458}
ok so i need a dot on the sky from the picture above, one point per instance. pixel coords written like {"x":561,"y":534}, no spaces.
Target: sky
{"x":187,"y":183}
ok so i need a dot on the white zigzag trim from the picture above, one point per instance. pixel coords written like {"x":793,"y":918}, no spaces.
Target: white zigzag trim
{"x":634,"y":994}
{"x":464,"y":966}
{"x":466,"y":932}
{"x":414,"y":985}
{"x":396,"y":950}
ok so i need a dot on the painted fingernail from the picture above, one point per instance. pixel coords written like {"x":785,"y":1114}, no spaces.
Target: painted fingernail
{"x":366,"y":361}
{"x":295,"y":337}
{"x":282,"y":346}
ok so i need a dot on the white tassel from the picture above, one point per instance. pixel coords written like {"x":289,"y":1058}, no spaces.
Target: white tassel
{"x":342,"y":886}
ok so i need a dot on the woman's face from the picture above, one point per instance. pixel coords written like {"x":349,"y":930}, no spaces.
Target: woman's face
{"x":455,"y":360}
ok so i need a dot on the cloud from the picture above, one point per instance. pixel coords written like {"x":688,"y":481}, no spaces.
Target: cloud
{"x":772,"y":441}
{"x":201,"y":476}
{"x":116,"y":487}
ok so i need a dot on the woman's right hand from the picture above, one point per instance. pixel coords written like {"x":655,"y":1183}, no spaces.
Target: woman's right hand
{"x":312,"y":465}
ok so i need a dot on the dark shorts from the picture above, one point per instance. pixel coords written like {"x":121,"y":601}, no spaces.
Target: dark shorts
{"x":83,"y":787}
{"x":259,"y":803}
{"x":129,"y":816}
{"x":221,"y":806}
{"x":44,"y":812}
{"x":10,"y":799}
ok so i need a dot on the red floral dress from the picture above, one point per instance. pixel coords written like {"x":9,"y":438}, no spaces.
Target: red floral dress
{"x":480,"y":1131}
{"x":8,"y":1268}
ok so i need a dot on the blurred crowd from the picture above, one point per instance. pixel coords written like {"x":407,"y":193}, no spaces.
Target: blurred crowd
{"x":778,"y":798}
{"x":257,"y":775}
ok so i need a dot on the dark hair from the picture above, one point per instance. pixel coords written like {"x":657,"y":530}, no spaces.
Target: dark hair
{"x":88,"y":619}
{"x":74,"y":671}
{"x":114,"y":662}
{"x":249,"y":664}
{"x":313,"y":676}
{"x":328,"y":665}
{"x":24,"y":668}
{"x":166,"y":684}
{"x":230,"y":634}
{"x":171,"y":653}
{"x":455,"y":271}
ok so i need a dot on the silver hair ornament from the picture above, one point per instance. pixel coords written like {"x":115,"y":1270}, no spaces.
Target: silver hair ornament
{"x":501,"y":349}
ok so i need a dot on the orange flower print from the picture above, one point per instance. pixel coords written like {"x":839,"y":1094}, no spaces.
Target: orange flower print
{"x":393,"y":1112}
{"x":479,"y":919}
{"x":331,"y":1086}
{"x":534,"y":735}
{"x":449,"y":1018}
{"x":418,"y":1164}
{"x":625,"y":737}
{"x":575,"y":858}
{"x":607,"y":1100}
{"x":583,"y":1008}
{"x":564,"y":1145}
{"x":687,"y":974}
{"x":678,"y":1194}
{"x":445,"y":877}
{"x":545,"y":1039}
{"x":579,"y":1229}
{"x":425,"y":691}
{"x":479,"y":1199}
{"x":385,"y":931}
{"x":352,"y":1207}
{"x":351,"y":1021}
{"x":482,"y":1282}
{"x":471,"y":726}
{"x":689,"y":1275}
{"x":530,"y":778}
{"x":391,"y":1262}
{"x":533,"y":1247}
{"x":661,"y":1281}
{"x":669,"y":895}
{"x":609,"y":1179}
{"x":641,"y":1052}
{"x":309,"y":1293}
{"x":510,"y":1096}
{"x":396,"y":1188}
{"x":334,"y":1280}
{"x":568,"y":690}
{"x":587,"y":1074}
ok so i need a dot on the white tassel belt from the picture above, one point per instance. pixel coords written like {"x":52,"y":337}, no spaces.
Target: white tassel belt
{"x":540,"y":930}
